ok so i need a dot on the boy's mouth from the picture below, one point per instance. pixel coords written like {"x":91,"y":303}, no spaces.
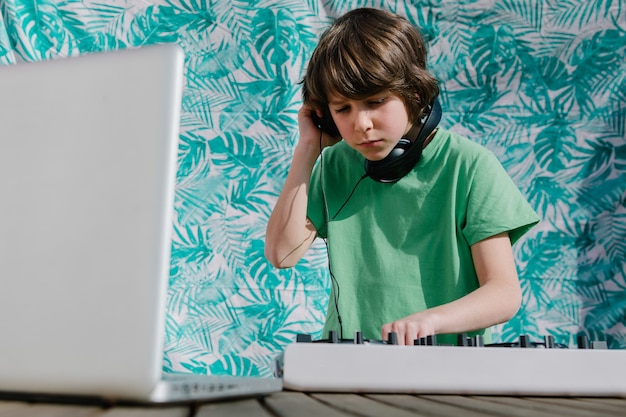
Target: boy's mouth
{"x":370,"y":143}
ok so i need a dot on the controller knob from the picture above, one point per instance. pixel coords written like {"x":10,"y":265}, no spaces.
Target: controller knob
{"x":303,"y":338}
{"x":392,"y":338}
{"x":358,"y":338}
{"x":332,"y":337}
{"x":524,"y":341}
{"x":583,"y":342}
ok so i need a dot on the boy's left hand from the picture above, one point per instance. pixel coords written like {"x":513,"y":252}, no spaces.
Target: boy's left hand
{"x":410,"y":328}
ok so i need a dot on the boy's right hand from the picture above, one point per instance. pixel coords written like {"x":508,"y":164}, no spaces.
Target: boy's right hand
{"x":310,"y":132}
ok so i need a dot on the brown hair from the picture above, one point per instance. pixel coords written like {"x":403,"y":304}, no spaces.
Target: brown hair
{"x":365,"y":52}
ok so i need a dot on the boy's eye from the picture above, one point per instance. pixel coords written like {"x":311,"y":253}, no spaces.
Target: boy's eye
{"x":377,"y":102}
{"x":341,"y":109}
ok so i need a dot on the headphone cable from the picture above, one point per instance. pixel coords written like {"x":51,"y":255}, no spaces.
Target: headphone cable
{"x":334,"y":282}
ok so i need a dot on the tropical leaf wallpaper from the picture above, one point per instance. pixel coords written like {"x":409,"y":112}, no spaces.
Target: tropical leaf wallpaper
{"x":542,"y":83}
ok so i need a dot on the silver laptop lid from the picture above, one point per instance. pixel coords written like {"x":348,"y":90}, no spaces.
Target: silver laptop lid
{"x":87,"y":170}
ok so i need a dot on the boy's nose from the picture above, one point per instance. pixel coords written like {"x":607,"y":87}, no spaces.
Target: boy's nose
{"x":362,"y":122}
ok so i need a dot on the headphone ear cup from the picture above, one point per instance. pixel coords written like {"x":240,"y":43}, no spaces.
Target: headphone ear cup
{"x":406,"y":153}
{"x":401,"y":147}
{"x":388,"y":166}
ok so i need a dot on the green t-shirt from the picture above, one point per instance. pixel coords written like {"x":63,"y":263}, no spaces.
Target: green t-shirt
{"x":396,"y":249}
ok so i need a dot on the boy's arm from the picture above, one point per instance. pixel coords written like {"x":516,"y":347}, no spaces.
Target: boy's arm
{"x":289,"y":232}
{"x":496,"y":300}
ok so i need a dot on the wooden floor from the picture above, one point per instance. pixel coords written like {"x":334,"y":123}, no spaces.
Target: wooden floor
{"x":329,"y":405}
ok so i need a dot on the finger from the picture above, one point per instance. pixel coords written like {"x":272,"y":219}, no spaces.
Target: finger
{"x":412,"y":333}
{"x":385,"y":330}
{"x":409,"y":337}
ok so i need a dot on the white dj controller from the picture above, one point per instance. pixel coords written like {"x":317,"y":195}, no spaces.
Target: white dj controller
{"x":492,"y":370}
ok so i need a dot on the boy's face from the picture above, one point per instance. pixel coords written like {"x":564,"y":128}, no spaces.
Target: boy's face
{"x":372,"y":126}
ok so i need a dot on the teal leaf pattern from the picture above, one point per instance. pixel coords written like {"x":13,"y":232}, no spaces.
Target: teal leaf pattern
{"x":541,"y":84}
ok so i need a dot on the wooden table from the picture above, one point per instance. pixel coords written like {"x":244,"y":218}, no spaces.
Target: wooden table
{"x":339,"y":405}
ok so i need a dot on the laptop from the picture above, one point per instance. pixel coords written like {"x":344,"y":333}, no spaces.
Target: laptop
{"x":88,"y":151}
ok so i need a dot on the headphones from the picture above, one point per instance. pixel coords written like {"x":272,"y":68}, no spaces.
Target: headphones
{"x":405,"y":155}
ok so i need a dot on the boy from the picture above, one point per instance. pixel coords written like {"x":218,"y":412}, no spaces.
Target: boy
{"x":423,"y":250}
